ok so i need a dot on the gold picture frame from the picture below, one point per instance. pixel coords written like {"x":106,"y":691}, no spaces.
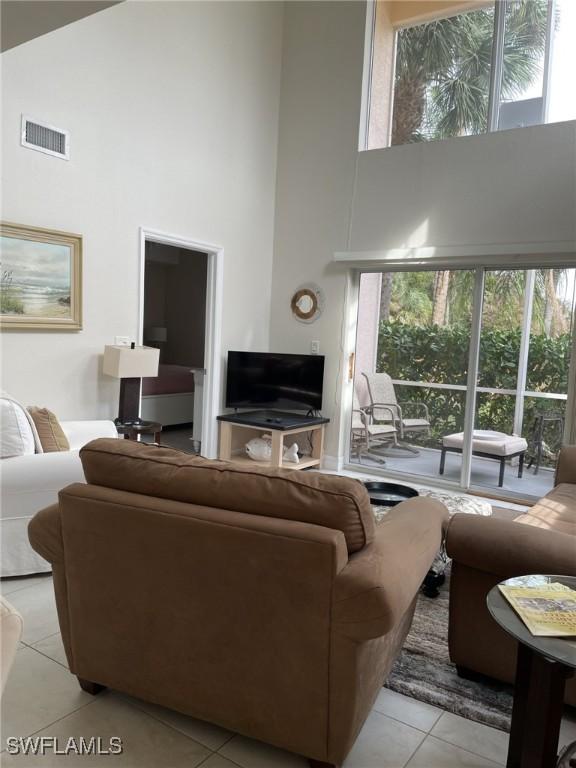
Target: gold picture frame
{"x":40,"y":279}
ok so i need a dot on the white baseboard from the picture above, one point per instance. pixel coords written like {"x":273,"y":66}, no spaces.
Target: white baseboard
{"x":332,"y":463}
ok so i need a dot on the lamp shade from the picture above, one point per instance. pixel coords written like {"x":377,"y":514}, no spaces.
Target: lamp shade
{"x":127,"y":363}
{"x":157,"y":333}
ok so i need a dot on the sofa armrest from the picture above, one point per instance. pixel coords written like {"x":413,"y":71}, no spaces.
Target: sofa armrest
{"x":24,"y":476}
{"x":81,"y":432}
{"x":566,"y":466}
{"x":45,"y":534}
{"x":506,"y":548}
{"x":379,"y":583}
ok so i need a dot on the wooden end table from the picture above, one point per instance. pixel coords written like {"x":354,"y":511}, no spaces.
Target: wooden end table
{"x":238,"y":428}
{"x":544,"y":664}
{"x":133,"y":431}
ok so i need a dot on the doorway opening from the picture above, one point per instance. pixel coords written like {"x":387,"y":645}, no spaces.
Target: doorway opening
{"x":180,"y":315}
{"x":462,"y":376}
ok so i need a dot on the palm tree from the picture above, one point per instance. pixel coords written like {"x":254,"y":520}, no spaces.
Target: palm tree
{"x":440,"y":297}
{"x":406,"y":297}
{"x":445,"y":298}
{"x":443,"y":70}
{"x":386,"y":296}
{"x":442,"y":83}
{"x":556,"y":318}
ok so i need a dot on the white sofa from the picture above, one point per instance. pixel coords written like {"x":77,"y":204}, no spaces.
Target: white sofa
{"x":30,"y":483}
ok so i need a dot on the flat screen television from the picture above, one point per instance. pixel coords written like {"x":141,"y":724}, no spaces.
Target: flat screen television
{"x":273,"y":380}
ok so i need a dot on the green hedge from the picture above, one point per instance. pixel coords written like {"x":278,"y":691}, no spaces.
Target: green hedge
{"x":440,"y":355}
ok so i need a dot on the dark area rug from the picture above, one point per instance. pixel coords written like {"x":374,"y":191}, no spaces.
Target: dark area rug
{"x":424,"y":671}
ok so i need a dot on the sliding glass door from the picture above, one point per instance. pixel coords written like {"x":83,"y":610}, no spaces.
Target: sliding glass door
{"x":412,"y":351}
{"x":462,"y":376}
{"x":522,"y":385}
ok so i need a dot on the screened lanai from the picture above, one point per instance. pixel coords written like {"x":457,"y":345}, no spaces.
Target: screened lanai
{"x":482,"y":358}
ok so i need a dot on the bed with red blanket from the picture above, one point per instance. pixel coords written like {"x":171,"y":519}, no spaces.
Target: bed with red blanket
{"x":169,"y":397}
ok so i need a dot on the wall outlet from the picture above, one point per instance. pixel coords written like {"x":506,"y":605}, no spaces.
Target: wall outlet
{"x":122,"y":341}
{"x":315,"y":348}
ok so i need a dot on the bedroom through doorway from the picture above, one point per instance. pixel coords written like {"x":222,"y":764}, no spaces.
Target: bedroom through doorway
{"x":174,"y":321}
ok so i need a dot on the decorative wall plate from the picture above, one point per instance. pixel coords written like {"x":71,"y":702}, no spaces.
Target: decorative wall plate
{"x":307,"y":303}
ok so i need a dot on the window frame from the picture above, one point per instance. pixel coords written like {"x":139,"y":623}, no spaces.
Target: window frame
{"x":496,"y":67}
{"x":480,"y":266}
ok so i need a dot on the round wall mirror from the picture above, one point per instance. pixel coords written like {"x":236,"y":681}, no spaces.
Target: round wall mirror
{"x":307,"y":303}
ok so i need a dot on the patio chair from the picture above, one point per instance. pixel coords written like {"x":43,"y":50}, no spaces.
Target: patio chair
{"x":383,"y":403}
{"x":368,"y":437}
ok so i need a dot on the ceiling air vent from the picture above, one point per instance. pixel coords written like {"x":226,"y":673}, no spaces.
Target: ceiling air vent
{"x":45,"y":138}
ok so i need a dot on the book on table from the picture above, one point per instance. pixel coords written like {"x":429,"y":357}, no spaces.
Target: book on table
{"x":548,"y":610}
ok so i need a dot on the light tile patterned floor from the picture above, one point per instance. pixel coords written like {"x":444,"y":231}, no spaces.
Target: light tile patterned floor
{"x":43,"y":698}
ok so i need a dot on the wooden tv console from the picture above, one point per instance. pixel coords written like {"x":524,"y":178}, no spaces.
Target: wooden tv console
{"x":236,"y":431}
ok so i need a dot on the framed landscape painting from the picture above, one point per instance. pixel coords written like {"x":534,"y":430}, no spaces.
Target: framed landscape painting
{"x":40,"y":279}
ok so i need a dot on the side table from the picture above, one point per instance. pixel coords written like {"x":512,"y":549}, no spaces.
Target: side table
{"x":132,"y":431}
{"x":544,"y":664}
{"x":237,"y":429}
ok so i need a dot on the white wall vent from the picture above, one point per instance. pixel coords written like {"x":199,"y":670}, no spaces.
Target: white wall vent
{"x":45,"y":138}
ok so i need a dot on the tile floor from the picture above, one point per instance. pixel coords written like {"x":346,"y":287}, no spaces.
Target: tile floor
{"x":43,"y":698}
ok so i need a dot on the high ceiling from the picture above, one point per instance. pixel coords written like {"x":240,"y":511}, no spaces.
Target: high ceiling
{"x":23,"y":20}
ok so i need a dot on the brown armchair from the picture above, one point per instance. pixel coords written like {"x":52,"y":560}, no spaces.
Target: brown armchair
{"x":261,"y":600}
{"x":487,"y":550}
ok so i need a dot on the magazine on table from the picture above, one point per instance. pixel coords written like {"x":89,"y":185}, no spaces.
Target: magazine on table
{"x":548,"y":610}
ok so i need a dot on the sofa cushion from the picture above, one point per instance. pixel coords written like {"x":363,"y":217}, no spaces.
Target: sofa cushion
{"x":334,"y":502}
{"x":16,"y":431}
{"x":488,"y":441}
{"x":555,"y":512}
{"x":51,"y":434}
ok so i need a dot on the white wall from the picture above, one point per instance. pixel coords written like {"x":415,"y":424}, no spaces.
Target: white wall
{"x":319,"y":112}
{"x":510,"y":187}
{"x":173,"y":114}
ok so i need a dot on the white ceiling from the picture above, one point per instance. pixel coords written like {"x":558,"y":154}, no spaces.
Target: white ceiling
{"x":23,"y":20}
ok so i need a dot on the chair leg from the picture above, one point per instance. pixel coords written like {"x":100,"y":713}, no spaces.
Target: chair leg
{"x":442,"y":460}
{"x":539,"y":453}
{"x":521,"y":465}
{"x":90,"y":687}
{"x":502,"y":468}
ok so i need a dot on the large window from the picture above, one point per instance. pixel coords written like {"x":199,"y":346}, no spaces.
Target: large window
{"x":459,"y":359}
{"x":502,"y":65}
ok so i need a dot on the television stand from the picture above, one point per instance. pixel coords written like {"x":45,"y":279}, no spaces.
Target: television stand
{"x":239,"y":428}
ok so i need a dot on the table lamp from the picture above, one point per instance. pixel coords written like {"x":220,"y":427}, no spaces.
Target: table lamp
{"x":130,"y":364}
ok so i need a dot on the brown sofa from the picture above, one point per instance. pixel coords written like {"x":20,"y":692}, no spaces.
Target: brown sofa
{"x":265,"y":601}
{"x":486,"y":550}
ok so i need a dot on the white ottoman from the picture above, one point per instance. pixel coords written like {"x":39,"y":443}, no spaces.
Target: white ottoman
{"x":489,"y":445}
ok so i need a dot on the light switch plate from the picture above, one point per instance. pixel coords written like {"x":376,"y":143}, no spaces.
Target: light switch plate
{"x":122,"y":341}
{"x":315,"y":348}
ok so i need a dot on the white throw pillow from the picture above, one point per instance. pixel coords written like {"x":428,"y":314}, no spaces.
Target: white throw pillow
{"x":16,"y":435}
